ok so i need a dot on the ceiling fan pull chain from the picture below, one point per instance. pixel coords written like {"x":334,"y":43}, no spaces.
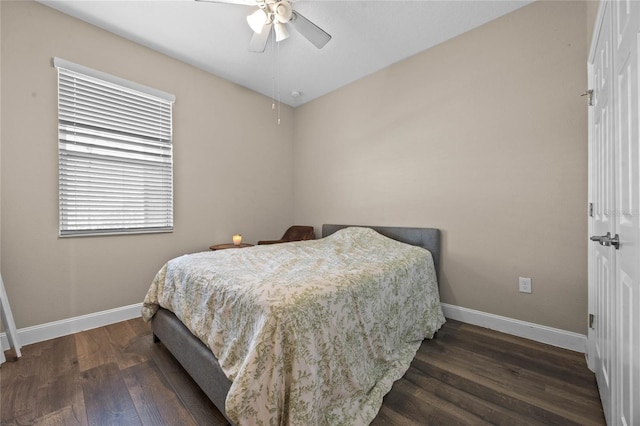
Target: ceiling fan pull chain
{"x":273,"y":76}
{"x":278,"y":77}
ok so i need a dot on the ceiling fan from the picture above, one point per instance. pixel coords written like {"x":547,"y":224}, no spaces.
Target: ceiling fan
{"x":277,"y":14}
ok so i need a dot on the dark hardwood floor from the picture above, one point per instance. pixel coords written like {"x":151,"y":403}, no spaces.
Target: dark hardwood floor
{"x":115,"y":375}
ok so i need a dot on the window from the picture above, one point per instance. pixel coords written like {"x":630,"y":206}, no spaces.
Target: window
{"x":114,"y":153}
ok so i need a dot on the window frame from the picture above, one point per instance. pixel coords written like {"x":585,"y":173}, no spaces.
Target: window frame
{"x":141,"y":154}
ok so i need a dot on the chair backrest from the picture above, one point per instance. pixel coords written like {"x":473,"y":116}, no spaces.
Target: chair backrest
{"x":299,"y":233}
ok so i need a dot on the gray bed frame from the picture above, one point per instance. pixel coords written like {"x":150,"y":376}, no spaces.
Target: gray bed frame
{"x":198,"y":360}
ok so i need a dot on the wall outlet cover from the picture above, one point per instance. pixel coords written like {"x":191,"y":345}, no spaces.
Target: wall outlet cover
{"x":524,"y":284}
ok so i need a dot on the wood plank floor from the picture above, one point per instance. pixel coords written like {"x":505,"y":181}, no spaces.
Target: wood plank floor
{"x":115,"y":375}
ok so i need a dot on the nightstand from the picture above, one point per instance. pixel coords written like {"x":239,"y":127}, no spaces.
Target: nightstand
{"x":229,"y":246}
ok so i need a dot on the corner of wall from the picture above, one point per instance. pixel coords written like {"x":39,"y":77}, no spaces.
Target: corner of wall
{"x":592,"y":13}
{"x":0,"y":136}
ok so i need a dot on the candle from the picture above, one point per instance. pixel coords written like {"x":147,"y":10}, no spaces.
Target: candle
{"x":237,"y":239}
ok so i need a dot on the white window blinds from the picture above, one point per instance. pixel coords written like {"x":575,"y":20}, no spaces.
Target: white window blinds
{"x":115,"y":154}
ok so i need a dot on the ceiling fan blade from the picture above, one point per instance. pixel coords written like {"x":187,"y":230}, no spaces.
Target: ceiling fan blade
{"x":309,"y":30}
{"x":259,"y":40}
{"x":244,"y":2}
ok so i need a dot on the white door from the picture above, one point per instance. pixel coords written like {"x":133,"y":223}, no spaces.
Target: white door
{"x":614,"y":187}
{"x":626,"y":25}
{"x":602,"y":258}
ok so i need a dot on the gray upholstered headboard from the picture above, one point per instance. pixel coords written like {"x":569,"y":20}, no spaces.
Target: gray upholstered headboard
{"x":428,"y":238}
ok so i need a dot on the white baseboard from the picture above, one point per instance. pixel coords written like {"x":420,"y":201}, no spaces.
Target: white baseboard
{"x":540,"y":333}
{"x":51,"y":330}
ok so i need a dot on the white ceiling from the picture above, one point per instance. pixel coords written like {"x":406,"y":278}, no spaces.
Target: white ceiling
{"x":366,"y":37}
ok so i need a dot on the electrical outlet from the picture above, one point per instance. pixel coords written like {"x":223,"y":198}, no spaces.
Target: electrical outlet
{"x":524,"y":284}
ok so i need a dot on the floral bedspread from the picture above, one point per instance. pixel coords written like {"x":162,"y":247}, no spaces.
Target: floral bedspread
{"x":311,"y":332}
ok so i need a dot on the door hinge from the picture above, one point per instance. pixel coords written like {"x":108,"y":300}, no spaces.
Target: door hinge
{"x":589,"y":95}
{"x":591,"y":321}
{"x":590,"y":209}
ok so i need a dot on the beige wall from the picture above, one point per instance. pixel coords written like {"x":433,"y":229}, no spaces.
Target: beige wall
{"x":0,"y":140}
{"x":231,"y":174}
{"x":485,"y":137}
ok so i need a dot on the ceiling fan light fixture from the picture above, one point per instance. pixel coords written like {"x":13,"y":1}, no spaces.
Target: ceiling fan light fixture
{"x":278,"y":14}
{"x":282,"y":11}
{"x":257,"y":20}
{"x":281,"y":31}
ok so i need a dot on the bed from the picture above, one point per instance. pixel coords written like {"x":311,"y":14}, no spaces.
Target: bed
{"x":293,"y":347}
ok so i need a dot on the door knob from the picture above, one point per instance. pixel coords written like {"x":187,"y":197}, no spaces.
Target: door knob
{"x":607,"y":240}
